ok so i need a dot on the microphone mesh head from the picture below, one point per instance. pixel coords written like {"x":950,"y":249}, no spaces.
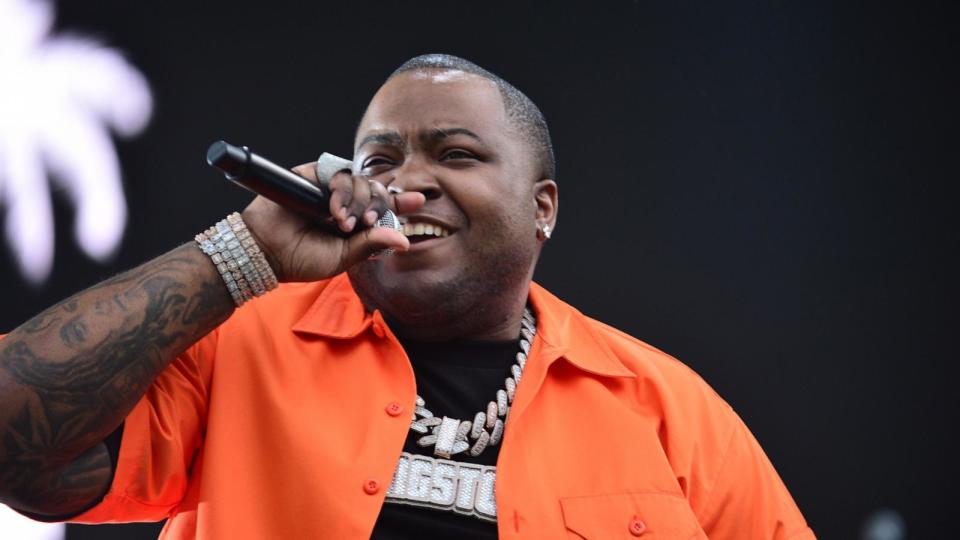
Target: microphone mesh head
{"x":388,"y":219}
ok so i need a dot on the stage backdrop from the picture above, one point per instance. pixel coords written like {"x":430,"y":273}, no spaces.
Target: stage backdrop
{"x":765,"y":191}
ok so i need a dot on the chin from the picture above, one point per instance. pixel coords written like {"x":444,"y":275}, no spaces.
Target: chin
{"x":458,"y":292}
{"x":420,"y":295}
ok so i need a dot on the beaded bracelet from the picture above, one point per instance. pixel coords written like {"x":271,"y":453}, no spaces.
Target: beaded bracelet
{"x":238,"y":258}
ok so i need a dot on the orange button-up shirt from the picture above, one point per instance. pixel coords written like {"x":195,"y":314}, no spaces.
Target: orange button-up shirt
{"x":283,"y":423}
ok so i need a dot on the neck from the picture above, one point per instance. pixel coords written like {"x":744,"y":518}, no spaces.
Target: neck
{"x":506,"y":328}
{"x":496,"y":319}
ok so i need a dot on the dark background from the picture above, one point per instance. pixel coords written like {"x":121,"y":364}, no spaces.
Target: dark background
{"x":765,"y":191}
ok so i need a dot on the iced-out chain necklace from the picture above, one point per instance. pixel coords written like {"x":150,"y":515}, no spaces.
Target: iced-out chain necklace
{"x":450,"y":436}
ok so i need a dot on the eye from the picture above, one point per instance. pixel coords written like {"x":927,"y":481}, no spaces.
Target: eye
{"x":375,"y":161}
{"x":456,"y":153}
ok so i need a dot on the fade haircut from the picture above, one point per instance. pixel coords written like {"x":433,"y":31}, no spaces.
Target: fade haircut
{"x":523,"y":114}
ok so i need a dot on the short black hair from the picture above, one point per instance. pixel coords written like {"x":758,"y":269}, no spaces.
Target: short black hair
{"x":522,"y":112}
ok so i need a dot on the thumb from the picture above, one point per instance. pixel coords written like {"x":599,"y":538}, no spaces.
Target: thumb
{"x":372,"y":240}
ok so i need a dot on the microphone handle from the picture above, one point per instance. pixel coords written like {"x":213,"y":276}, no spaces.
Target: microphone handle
{"x":282,"y":186}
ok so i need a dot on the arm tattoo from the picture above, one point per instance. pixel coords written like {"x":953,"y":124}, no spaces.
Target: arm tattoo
{"x":39,"y":323}
{"x":74,"y":332}
{"x":70,"y":375}
{"x":57,"y":491}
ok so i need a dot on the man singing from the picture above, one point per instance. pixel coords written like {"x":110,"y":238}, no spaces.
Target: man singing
{"x":433,"y":393}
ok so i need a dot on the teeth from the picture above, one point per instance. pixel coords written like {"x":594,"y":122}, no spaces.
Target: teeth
{"x":419,"y":229}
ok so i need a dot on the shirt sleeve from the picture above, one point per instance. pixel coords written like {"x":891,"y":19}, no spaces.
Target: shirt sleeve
{"x":160,"y":437}
{"x":748,"y":500}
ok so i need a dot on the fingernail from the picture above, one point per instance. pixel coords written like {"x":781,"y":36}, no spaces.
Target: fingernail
{"x":370,"y":217}
{"x":343,"y":213}
{"x":351,"y":221}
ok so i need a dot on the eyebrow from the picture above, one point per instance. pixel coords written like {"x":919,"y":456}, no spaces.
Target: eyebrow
{"x":441,"y":133}
{"x":392,"y":138}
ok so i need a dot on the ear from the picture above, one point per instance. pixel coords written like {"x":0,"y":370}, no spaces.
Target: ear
{"x":545,"y":196}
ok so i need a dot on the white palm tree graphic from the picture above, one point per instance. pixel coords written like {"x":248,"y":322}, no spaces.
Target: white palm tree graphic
{"x":58,"y":96}
{"x":14,"y":525}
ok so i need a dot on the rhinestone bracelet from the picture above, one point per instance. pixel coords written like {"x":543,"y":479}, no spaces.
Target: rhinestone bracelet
{"x":235,"y":253}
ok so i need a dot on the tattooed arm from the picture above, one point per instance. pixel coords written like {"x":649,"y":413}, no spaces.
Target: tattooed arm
{"x":70,"y":375}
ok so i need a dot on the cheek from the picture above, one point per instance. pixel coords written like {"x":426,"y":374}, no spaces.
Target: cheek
{"x":504,"y":227}
{"x":510,"y":211}
{"x":494,"y":200}
{"x":497,"y":203}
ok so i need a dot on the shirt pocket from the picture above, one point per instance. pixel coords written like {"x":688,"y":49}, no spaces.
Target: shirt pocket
{"x":647,"y":516}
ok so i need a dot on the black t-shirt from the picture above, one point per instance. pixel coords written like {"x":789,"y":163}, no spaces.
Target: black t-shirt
{"x":456,"y":380}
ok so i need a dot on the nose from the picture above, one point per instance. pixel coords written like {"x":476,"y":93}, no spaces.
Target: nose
{"x":413,"y":175}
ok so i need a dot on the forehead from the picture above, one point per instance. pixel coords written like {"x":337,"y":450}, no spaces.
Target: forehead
{"x":425,"y":99}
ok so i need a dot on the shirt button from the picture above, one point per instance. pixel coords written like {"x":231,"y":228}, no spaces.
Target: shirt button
{"x":371,"y":486}
{"x":378,"y":329}
{"x":394,"y":409}
{"x":637,"y":526}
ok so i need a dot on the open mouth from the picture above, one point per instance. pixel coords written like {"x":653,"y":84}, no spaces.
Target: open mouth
{"x":422,"y":232}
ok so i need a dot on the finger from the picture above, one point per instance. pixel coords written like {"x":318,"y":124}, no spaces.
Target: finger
{"x":365,"y":243}
{"x":361,"y":197}
{"x":341,"y":196}
{"x":378,"y":203}
{"x":407,"y":202}
{"x":308,"y":171}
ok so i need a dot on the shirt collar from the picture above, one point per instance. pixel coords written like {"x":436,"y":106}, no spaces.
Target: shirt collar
{"x":567,"y":333}
{"x":337,"y":312}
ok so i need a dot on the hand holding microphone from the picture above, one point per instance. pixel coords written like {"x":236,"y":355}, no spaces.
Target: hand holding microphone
{"x":311,"y":231}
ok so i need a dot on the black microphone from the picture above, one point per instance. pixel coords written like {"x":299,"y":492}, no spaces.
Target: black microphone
{"x":284,"y":187}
